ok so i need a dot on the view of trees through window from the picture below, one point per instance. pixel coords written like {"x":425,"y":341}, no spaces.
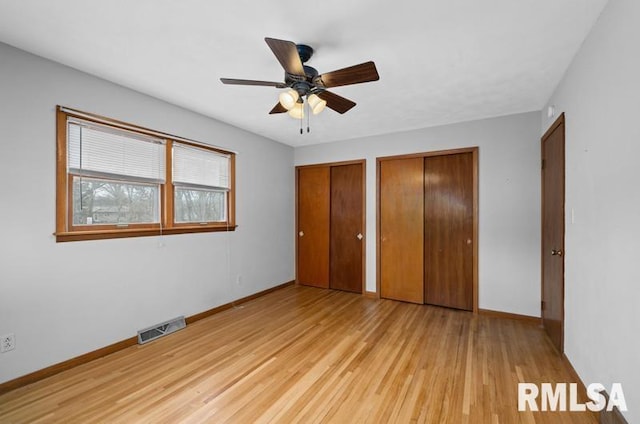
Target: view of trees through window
{"x":193,"y":205}
{"x":99,"y":202}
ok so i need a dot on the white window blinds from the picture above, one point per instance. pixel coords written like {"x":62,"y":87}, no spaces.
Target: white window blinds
{"x":101,"y":151}
{"x":200,"y":168}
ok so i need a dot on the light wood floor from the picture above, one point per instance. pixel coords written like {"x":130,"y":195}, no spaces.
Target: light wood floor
{"x":309,"y":355}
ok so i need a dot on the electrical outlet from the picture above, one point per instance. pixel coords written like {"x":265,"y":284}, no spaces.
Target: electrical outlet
{"x":7,"y":342}
{"x":239,"y":280}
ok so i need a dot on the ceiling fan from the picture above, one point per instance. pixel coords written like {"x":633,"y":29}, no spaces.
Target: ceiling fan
{"x":304,"y":81}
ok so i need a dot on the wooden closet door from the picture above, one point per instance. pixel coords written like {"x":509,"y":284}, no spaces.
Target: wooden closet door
{"x":448,"y":254}
{"x":347,"y":238}
{"x":401,"y":229}
{"x":553,"y":199}
{"x":313,"y":226}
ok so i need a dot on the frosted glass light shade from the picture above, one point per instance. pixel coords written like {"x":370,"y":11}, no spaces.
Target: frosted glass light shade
{"x":297,"y":111}
{"x":316,"y":103}
{"x":288,"y":99}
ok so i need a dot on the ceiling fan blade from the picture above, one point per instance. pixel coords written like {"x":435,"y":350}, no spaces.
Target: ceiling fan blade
{"x":356,"y":74}
{"x":253,"y":82}
{"x":335,"y":102}
{"x":278,"y":108}
{"x":287,"y":54}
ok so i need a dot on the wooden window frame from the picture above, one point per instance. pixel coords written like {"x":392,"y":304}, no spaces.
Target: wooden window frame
{"x":65,"y":231}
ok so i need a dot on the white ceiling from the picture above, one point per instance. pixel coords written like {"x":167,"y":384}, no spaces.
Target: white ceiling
{"x":440,"y":61}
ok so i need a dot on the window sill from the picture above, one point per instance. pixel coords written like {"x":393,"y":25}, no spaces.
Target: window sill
{"x":124,"y":233}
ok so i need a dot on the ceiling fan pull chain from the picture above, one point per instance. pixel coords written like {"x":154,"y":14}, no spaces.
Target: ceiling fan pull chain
{"x":308,"y":115}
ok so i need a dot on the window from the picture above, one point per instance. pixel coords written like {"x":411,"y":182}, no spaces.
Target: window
{"x":201,"y":181}
{"x":119,"y":180}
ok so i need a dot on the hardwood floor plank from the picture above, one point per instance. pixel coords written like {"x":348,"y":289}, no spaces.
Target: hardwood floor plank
{"x":307,"y":355}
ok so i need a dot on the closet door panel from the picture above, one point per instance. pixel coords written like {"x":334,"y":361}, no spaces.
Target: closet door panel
{"x":401,"y":229}
{"x":448,"y":250}
{"x":313,"y":226}
{"x":347,"y":238}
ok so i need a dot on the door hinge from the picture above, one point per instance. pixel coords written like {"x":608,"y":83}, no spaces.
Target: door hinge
{"x":543,"y":163}
{"x":542,"y":305}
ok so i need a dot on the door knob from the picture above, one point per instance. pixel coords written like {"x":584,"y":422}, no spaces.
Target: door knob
{"x":555,"y":252}
{"x":301,"y":233}
{"x":359,"y":236}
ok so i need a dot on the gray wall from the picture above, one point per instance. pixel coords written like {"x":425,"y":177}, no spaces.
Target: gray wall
{"x":64,"y":299}
{"x":509,"y":230}
{"x":599,"y":95}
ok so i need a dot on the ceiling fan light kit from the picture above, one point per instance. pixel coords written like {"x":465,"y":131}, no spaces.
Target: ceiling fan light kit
{"x":289,"y":98}
{"x":304,"y":81}
{"x":316,"y":104}
{"x":297,"y":111}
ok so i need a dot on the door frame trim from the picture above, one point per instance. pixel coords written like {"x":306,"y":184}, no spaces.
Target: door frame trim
{"x":475,"y":160}
{"x":552,"y":128}
{"x":557,"y":123}
{"x":363,"y":162}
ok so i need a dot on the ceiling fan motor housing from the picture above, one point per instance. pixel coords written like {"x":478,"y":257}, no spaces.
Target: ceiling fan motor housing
{"x":303,"y":84}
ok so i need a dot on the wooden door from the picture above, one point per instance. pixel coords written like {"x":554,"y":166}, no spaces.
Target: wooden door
{"x":347,"y":232}
{"x":553,"y":233}
{"x":313,"y":226}
{"x":401,"y":207}
{"x":448,"y":233}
